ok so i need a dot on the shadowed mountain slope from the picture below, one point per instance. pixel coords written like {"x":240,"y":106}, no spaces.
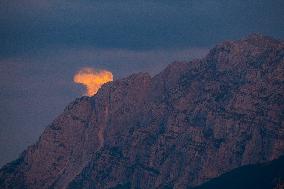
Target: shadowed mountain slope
{"x":261,"y":176}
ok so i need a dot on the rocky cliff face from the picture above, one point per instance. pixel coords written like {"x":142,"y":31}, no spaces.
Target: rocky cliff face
{"x":192,"y":122}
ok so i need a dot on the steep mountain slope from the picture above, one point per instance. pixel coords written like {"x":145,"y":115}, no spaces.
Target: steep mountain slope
{"x":260,"y":176}
{"x":192,"y":122}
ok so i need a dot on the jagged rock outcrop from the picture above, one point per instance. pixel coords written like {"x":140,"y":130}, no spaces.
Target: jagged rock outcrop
{"x":192,"y":122}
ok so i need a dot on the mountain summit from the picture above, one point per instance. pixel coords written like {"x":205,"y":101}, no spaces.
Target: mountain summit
{"x":190,"y":123}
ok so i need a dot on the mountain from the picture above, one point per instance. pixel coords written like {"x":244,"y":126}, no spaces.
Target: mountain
{"x":260,"y":176}
{"x":192,"y":122}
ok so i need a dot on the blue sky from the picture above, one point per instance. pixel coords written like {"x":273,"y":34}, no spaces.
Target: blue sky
{"x":148,"y":24}
{"x":44,"y":42}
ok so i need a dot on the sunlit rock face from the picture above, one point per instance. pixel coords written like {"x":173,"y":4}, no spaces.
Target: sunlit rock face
{"x":188,"y":124}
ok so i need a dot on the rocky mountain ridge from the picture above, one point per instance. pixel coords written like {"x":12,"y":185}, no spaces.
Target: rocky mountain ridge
{"x":192,"y":122}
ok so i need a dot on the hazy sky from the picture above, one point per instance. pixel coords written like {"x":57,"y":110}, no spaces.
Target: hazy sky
{"x":44,"y":42}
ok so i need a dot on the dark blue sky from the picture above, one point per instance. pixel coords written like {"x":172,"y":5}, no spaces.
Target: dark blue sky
{"x":135,"y":25}
{"x":44,"y":42}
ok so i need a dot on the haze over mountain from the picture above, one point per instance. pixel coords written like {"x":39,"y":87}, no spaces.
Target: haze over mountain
{"x":190,"y":123}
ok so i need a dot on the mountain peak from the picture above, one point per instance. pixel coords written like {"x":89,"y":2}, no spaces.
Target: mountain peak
{"x":259,"y":37}
{"x":192,"y":122}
